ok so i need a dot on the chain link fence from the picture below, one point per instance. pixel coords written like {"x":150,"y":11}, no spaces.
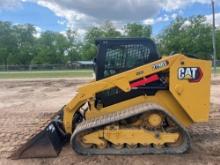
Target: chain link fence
{"x":44,"y":67}
{"x":218,"y":63}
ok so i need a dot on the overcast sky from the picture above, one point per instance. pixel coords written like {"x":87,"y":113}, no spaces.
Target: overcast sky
{"x":57,"y":15}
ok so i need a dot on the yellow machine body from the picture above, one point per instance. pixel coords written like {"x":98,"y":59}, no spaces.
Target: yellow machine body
{"x":186,"y":100}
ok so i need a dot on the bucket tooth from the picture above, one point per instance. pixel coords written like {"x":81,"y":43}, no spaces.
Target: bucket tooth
{"x":47,"y":143}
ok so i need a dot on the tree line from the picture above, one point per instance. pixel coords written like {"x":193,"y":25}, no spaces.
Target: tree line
{"x":19,"y":44}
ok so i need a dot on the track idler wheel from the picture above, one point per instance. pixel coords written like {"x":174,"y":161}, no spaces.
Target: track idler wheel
{"x":118,"y":146}
{"x":131,"y":146}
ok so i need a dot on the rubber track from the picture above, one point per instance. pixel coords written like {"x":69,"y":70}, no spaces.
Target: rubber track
{"x":86,"y":125}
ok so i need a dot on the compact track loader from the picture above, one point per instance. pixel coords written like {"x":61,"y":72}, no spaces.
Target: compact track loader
{"x":140,"y":103}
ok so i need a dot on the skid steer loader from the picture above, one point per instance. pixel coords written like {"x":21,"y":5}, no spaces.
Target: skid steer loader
{"x":140,"y":103}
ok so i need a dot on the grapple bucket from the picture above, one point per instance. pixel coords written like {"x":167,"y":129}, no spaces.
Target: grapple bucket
{"x":47,"y":143}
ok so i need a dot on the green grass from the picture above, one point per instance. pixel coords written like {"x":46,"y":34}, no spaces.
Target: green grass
{"x":217,"y":70}
{"x":45,"y":74}
{"x":51,"y":74}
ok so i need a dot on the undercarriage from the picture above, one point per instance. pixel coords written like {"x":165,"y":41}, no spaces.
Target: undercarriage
{"x":142,"y":129}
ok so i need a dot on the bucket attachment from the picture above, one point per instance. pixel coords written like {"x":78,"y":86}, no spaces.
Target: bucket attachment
{"x":47,"y":143}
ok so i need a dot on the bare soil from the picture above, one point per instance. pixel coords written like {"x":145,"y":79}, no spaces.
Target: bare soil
{"x":27,"y":105}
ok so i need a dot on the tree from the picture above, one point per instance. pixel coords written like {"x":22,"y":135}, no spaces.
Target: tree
{"x":109,"y":30}
{"x":187,"y":35}
{"x":18,"y":46}
{"x":92,"y":34}
{"x":74,"y":46}
{"x":218,"y":43}
{"x":51,"y":48}
{"x":138,"y":30}
{"x":7,"y":42}
{"x":16,"y":43}
{"x":25,"y":44}
{"x":88,"y":49}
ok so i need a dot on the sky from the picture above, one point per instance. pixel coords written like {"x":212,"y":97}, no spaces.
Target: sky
{"x":58,"y":15}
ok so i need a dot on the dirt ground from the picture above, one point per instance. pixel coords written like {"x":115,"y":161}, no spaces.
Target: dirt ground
{"x":26,"y":105}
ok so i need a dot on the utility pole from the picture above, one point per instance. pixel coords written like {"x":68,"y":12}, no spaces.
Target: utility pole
{"x":213,"y":35}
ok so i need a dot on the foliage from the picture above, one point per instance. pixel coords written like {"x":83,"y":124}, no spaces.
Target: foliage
{"x":88,"y":50}
{"x":138,"y":30}
{"x":190,"y":36}
{"x":218,"y":44}
{"x":51,"y":48}
{"x":7,"y":42}
{"x":20,"y":46}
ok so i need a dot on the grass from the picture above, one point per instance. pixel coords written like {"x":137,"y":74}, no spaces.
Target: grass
{"x":217,"y":70}
{"x":45,"y":74}
{"x":51,"y":74}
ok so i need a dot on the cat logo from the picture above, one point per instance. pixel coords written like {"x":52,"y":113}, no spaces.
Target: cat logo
{"x":193,"y":74}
